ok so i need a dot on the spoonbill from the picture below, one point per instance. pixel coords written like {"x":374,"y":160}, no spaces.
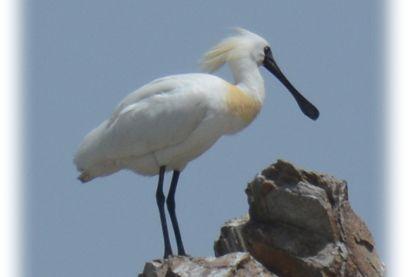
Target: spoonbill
{"x":170,"y":121}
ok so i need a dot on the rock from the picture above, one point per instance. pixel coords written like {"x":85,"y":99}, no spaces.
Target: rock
{"x":300,"y":223}
{"x":234,"y":264}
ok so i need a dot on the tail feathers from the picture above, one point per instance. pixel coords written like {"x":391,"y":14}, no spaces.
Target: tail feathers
{"x":85,"y":177}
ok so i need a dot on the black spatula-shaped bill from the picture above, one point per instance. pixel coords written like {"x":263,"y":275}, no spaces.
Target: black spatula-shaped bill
{"x":307,"y":108}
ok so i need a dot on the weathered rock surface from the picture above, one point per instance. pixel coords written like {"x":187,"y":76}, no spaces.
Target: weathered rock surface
{"x":300,"y":223}
{"x":235,"y":264}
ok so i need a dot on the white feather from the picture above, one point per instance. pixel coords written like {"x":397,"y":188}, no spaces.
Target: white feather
{"x":161,"y":115}
{"x":173,"y":120}
{"x":231,"y":48}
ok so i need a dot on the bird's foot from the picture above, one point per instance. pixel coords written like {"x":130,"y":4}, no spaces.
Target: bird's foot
{"x":182,"y":253}
{"x":167,"y":254}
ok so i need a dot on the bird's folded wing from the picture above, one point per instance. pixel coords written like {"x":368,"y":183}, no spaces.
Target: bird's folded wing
{"x":154,"y":122}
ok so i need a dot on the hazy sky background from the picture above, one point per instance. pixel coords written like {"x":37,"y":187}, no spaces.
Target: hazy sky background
{"x":83,"y":57}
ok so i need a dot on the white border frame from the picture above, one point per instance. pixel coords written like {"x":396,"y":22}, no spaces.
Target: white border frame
{"x":10,"y":137}
{"x":397,"y":138}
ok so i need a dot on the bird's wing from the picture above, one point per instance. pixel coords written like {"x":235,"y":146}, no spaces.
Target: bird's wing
{"x":158,"y":86}
{"x":164,"y":114}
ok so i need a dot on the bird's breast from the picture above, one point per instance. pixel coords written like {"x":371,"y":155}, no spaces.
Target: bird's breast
{"x":241,"y":105}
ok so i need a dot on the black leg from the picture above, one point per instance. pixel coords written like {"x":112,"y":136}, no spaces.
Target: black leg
{"x":171,"y":206}
{"x":160,"y":203}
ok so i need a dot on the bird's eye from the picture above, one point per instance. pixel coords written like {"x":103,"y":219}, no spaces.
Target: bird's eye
{"x":267,"y":51}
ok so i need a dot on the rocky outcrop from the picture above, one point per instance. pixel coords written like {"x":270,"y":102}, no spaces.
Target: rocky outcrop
{"x":235,"y":264}
{"x":300,"y":223}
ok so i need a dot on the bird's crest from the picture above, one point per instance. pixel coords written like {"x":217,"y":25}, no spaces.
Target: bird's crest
{"x":228,"y":49}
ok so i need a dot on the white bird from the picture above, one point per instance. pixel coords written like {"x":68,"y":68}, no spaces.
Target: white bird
{"x":172,"y":120}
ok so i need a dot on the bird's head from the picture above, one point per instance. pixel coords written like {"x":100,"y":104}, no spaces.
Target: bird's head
{"x":247,"y":45}
{"x":243,"y":45}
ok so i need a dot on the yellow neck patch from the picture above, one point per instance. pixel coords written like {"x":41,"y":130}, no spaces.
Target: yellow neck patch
{"x":241,"y":104}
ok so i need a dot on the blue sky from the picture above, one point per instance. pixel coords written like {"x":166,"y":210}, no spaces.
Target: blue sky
{"x":82,"y":58}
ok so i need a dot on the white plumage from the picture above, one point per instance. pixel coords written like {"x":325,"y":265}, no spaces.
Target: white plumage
{"x":171,"y":121}
{"x":167,"y":122}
